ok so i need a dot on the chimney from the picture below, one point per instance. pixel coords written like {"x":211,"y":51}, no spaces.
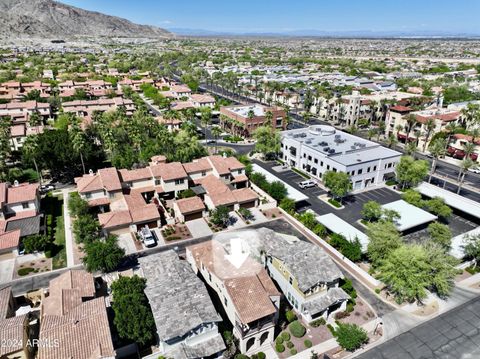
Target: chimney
{"x":15,"y":183}
{"x":90,"y":172}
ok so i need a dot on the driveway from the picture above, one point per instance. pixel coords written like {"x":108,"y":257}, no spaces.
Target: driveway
{"x":6,"y":270}
{"x":258,"y":216}
{"x":125,"y":241}
{"x":235,"y":221}
{"x":198,"y":228}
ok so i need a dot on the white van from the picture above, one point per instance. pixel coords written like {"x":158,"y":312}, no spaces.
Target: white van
{"x":307,"y":184}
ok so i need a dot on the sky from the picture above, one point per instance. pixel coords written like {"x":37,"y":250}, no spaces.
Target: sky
{"x":452,"y":16}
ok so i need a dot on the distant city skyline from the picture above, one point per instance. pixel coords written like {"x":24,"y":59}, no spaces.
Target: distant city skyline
{"x":284,"y":16}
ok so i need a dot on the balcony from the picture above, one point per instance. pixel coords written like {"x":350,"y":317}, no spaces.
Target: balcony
{"x":254,"y":327}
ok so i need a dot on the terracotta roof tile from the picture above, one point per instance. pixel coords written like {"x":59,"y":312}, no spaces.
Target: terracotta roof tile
{"x":10,"y":240}
{"x":169,"y":171}
{"x":24,"y":192}
{"x":189,"y":205}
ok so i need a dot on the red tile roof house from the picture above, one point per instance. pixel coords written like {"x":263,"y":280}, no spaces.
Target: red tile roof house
{"x":456,"y":147}
{"x":84,"y":108}
{"x":21,"y":110}
{"x":19,"y":214}
{"x":13,"y":329}
{"x":126,"y":197}
{"x":73,"y":320}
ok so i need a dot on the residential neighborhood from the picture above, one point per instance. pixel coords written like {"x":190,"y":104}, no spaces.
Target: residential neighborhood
{"x":210,"y":181}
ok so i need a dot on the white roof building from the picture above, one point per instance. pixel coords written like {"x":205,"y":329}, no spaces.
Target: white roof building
{"x":410,"y":215}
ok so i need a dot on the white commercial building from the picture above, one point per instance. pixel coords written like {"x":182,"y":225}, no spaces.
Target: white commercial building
{"x":319,"y":149}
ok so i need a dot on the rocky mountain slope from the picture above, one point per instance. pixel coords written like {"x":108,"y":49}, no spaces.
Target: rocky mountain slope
{"x":50,"y":19}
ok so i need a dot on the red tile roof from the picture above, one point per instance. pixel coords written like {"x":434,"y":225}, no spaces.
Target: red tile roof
{"x":12,"y":331}
{"x":190,"y":205}
{"x":399,"y":108}
{"x":10,"y":240}
{"x":24,"y":192}
{"x":169,"y":171}
{"x":244,"y":195}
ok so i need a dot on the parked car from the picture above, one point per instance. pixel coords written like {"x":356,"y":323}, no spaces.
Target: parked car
{"x":474,"y":170}
{"x":148,"y":237}
{"x":47,"y":188}
{"x":307,"y":184}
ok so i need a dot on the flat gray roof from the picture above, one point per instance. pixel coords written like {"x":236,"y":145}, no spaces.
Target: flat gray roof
{"x":410,"y":215}
{"x":178,"y":298}
{"x":339,"y":146}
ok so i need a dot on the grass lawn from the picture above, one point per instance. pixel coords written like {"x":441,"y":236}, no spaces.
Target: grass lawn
{"x":53,"y":209}
{"x":334,"y":203}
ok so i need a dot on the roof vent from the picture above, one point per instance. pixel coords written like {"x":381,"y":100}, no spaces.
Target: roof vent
{"x":90,"y":172}
{"x":15,"y":183}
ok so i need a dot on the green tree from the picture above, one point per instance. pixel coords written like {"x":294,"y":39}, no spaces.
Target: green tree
{"x":216,"y":132}
{"x":103,"y":255}
{"x":133,"y":316}
{"x":383,"y":239}
{"x":77,"y":205}
{"x":350,"y":336}
{"x":437,"y":148}
{"x":442,"y":269}
{"x":351,"y":250}
{"x":411,"y":172}
{"x":413,"y":197}
{"x":79,"y":142}
{"x":29,"y":150}
{"x":288,"y":205}
{"x":206,"y":119}
{"x":338,"y":183}
{"x":267,"y":140}
{"x":466,"y":164}
{"x":36,"y":243}
{"x":438,"y":207}
{"x":440,"y":234}
{"x":277,"y":190}
{"x":372,"y":211}
{"x":405,"y":271}
{"x":86,"y":229}
{"x":471,"y":248}
{"x":220,"y":216}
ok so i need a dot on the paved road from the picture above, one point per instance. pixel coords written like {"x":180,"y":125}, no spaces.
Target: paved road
{"x":452,"y":335}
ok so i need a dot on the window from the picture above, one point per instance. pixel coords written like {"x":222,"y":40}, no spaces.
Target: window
{"x":204,"y":173}
{"x":88,"y":195}
{"x":179,"y":181}
{"x":321,"y":164}
{"x":290,"y":280}
{"x":25,"y":205}
{"x":368,"y":169}
{"x":225,"y":301}
{"x":309,"y":158}
{"x":157,"y":182}
{"x":360,"y":171}
{"x":328,"y":167}
{"x":374,"y":168}
{"x":111,"y":195}
{"x":315,"y":160}
{"x":304,"y":155}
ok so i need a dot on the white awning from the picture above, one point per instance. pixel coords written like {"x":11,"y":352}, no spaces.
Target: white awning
{"x":293,"y":193}
{"x":337,"y":225}
{"x":410,"y":215}
{"x":458,"y":242}
{"x":452,"y":199}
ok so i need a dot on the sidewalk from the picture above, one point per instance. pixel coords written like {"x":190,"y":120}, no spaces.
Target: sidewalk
{"x":68,"y":230}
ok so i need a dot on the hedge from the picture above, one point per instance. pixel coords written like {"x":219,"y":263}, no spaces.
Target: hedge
{"x":297,"y":329}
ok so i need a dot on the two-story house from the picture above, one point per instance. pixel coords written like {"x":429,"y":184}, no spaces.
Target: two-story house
{"x":248,"y":296}
{"x":185,"y":317}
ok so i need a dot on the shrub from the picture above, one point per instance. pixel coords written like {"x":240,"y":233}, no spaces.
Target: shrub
{"x":334,"y":203}
{"x":242,"y":356}
{"x":289,"y":345}
{"x":307,"y":343}
{"x":280,"y":348}
{"x":261,"y":355}
{"x":279,"y":339}
{"x":24,"y":271}
{"x":377,"y":290}
{"x":318,"y":322}
{"x":351,"y":250}
{"x":347,"y":286}
{"x":351,"y":336}
{"x":291,"y":316}
{"x":332,"y":329}
{"x":293,"y":351}
{"x":48,"y":254}
{"x":297,"y":329}
{"x":285,"y":336}
{"x":350,"y":307}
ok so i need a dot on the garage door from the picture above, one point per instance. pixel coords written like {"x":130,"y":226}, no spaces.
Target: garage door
{"x":119,"y":231}
{"x":192,"y":216}
{"x":152,"y":224}
{"x":248,"y":204}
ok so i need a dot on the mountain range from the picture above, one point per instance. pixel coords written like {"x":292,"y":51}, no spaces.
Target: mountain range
{"x":48,"y":19}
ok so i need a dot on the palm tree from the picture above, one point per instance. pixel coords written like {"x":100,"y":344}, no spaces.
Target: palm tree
{"x":391,"y":141}
{"x":430,"y":126}
{"x":381,"y":129}
{"x":437,"y":149}
{"x":34,"y":119}
{"x":269,"y":118}
{"x":30,"y":150}
{"x":467,"y":164}
{"x":371,"y":132}
{"x":78,"y":142}
{"x":411,"y":121}
{"x":206,"y":118}
{"x":410,"y":149}
{"x":450,"y":129}
{"x":216,"y":131}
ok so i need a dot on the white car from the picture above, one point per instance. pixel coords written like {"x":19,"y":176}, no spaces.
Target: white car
{"x":474,"y":170}
{"x":307,"y":184}
{"x":148,"y":237}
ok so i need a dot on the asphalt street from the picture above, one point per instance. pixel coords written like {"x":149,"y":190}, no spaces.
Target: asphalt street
{"x":452,"y":335}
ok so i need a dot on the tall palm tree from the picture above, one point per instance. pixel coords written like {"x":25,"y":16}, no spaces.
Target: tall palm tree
{"x":216,"y":132}
{"x":467,"y":164}
{"x":437,"y":149}
{"x":450,"y":129}
{"x":410,"y":149}
{"x":429,"y":127}
{"x":411,"y":121}
{"x":30,"y":150}
{"x":391,"y":140}
{"x":371,"y":132}
{"x":78,"y":142}
{"x":206,"y":119}
{"x":34,"y":119}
